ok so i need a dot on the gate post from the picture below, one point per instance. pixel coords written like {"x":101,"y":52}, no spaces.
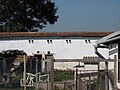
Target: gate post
{"x":49,"y":67}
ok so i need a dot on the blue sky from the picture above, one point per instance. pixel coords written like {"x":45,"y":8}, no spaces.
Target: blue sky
{"x":86,"y":15}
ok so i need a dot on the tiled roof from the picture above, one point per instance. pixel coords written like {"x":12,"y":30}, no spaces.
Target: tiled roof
{"x":53,"y":34}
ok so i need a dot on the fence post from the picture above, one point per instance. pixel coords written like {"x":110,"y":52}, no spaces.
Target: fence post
{"x":89,"y":83}
{"x":98,"y":76}
{"x":115,"y":78}
{"x":24,"y":72}
{"x":106,"y":77}
{"x":76,"y":78}
{"x":52,"y":72}
{"x":51,"y":67}
{"x":79,"y":80}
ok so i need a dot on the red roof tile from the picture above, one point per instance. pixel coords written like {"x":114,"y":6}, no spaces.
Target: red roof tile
{"x":54,"y":34}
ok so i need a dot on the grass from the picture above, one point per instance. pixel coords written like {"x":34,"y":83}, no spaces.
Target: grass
{"x":60,"y":75}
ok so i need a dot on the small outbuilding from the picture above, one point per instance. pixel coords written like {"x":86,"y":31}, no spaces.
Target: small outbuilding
{"x":112,"y":43}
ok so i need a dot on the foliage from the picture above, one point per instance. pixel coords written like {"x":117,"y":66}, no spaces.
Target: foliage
{"x":63,"y":75}
{"x":26,"y":15}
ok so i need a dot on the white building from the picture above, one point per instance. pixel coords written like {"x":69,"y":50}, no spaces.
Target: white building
{"x":112,"y":41}
{"x":64,"y":45}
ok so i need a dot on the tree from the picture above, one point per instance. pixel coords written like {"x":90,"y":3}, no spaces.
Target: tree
{"x":26,"y":15}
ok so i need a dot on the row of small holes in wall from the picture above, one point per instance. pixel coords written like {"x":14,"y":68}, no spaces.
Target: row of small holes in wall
{"x":50,"y":41}
{"x":67,"y":41}
{"x":88,"y":41}
{"x":31,"y":41}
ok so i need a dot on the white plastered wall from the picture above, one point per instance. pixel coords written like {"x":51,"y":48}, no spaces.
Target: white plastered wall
{"x":77,"y":49}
